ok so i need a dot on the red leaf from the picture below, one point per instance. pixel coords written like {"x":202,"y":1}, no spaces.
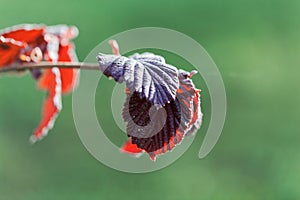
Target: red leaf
{"x":18,"y":44}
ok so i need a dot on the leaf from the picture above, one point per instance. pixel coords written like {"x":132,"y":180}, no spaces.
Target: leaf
{"x":9,"y":50}
{"x":147,"y":74}
{"x":162,"y":104}
{"x":157,"y":131}
{"x":19,"y":43}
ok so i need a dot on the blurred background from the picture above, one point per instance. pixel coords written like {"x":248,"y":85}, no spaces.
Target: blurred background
{"x":256,"y":46}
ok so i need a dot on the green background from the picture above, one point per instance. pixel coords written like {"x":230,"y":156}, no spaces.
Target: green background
{"x":256,"y":46}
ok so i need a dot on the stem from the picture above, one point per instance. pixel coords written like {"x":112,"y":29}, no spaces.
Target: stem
{"x":46,"y":65}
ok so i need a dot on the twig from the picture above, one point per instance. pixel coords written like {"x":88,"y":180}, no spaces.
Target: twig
{"x":45,"y":65}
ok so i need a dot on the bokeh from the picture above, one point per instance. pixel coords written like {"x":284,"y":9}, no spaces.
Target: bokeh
{"x":256,"y":46}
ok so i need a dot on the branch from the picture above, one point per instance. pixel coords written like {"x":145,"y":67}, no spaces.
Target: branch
{"x":46,"y":65}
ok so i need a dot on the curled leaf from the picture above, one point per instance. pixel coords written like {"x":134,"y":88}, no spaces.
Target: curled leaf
{"x":34,"y":43}
{"x":162,"y":104}
{"x":160,"y":130}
